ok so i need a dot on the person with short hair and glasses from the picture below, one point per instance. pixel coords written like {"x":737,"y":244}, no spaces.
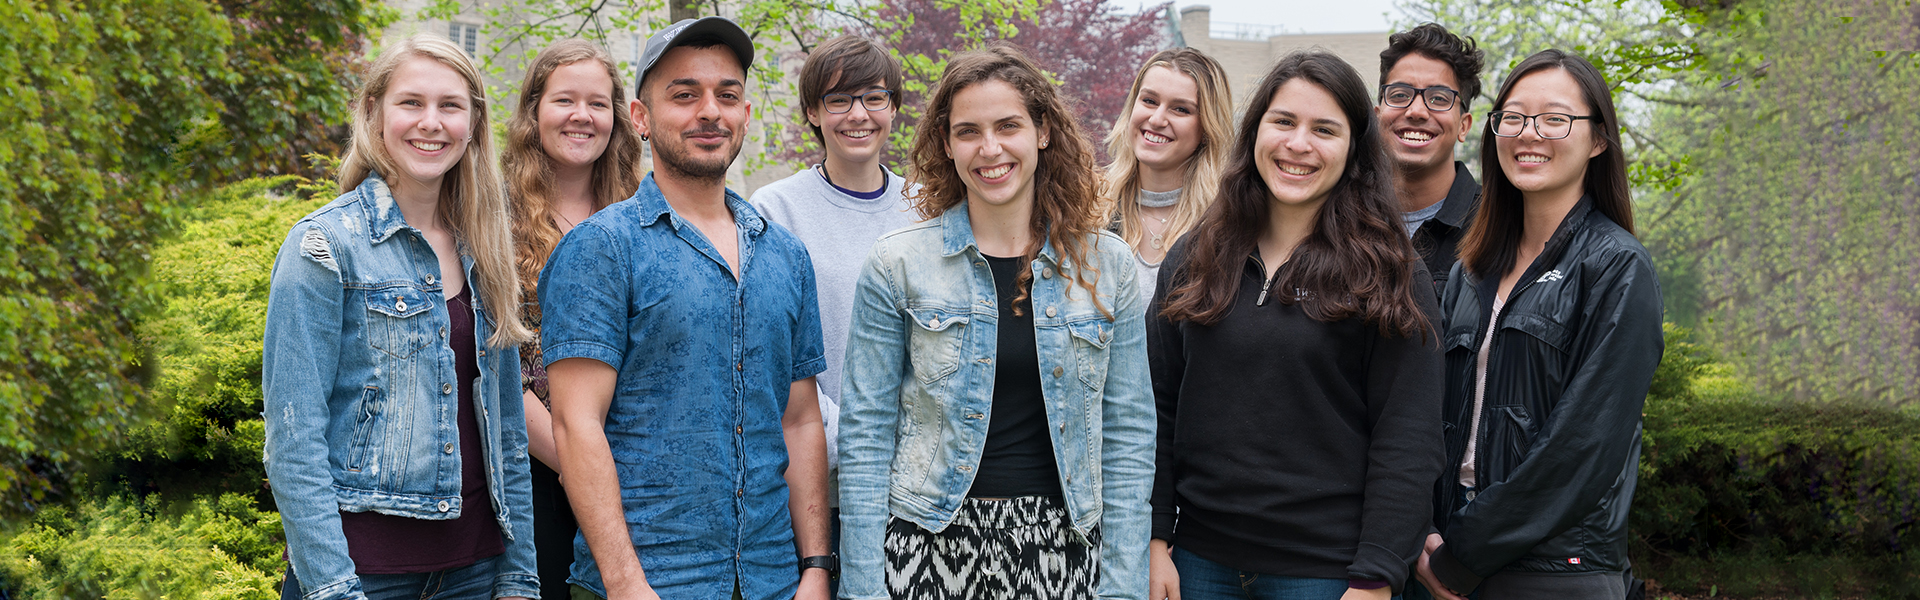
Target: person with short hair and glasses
{"x":1429,"y":78}
{"x":849,"y":88}
{"x":1552,"y":333}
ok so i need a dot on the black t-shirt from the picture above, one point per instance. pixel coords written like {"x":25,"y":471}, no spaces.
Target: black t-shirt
{"x":1018,"y":460}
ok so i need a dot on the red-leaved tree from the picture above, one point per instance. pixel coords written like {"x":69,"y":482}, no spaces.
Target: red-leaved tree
{"x":1090,"y":46}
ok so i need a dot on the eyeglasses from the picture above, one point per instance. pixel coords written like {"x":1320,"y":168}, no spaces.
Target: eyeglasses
{"x":1400,"y":95}
{"x":1550,"y":126}
{"x":876,"y":100}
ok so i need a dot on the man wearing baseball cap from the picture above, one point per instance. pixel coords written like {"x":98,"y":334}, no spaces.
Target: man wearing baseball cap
{"x":682,"y":335}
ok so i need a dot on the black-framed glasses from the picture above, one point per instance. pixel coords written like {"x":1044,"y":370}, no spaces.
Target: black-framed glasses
{"x":1438,"y":98}
{"x":1550,"y":126}
{"x":876,"y":100}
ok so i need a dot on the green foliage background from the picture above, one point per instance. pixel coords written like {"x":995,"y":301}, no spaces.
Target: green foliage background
{"x":114,"y":112}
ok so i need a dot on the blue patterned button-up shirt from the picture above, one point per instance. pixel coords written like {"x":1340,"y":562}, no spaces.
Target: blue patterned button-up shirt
{"x":705,"y":362}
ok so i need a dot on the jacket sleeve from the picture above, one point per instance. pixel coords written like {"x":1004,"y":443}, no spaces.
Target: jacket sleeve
{"x":1582,"y":448}
{"x":869,"y":415}
{"x":300,"y":358}
{"x":518,"y":574}
{"x":1166,"y":359}
{"x":1404,"y":388}
{"x":1126,"y":445}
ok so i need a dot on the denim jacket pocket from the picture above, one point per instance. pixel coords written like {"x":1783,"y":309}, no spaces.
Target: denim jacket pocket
{"x":935,"y":340}
{"x":1091,"y":337}
{"x":364,"y":416}
{"x":394,"y":322}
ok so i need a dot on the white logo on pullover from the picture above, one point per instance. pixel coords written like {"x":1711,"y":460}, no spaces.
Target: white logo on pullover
{"x":1553,"y":275}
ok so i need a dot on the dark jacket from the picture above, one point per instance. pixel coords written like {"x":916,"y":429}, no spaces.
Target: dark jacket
{"x":1438,"y":239}
{"x":1292,"y":446}
{"x":1567,"y":375}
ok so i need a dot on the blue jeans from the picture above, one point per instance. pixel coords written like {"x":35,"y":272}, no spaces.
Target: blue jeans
{"x":1202,"y":579}
{"x":471,"y":582}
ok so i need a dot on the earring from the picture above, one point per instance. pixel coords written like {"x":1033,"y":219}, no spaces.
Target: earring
{"x":1043,"y":144}
{"x":643,"y":137}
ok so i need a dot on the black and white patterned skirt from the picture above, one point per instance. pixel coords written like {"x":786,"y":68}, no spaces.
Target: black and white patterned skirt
{"x":1018,"y":548}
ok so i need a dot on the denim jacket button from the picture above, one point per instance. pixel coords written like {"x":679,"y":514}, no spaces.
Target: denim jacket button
{"x":444,"y":507}
{"x":1046,"y":273}
{"x":448,"y":448}
{"x":1057,"y":371}
{"x":447,"y":388}
{"x":443,"y":332}
{"x":400,"y":305}
{"x":429,"y":279}
{"x":1051,"y":311}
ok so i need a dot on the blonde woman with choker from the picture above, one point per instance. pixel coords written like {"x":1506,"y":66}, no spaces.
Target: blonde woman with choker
{"x":1169,"y":150}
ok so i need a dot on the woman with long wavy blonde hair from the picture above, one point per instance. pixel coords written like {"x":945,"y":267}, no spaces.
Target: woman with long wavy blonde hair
{"x":393,"y":444}
{"x":1169,"y":150}
{"x":571,"y":151}
{"x":996,"y":430}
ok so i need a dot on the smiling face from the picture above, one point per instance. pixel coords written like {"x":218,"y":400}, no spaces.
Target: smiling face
{"x":1421,"y":139}
{"x":858,"y":135}
{"x":697,"y":112}
{"x":576,"y":115}
{"x":425,"y":120}
{"x":1165,"y":122}
{"x":995,"y":144}
{"x":1536,"y":166}
{"x":1301,"y":146}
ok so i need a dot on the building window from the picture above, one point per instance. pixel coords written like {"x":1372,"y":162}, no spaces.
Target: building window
{"x":467,"y":37}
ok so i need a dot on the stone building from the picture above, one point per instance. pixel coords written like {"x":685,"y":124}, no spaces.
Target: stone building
{"x":1247,"y":51}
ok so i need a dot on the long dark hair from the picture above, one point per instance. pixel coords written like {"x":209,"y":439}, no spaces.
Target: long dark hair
{"x":1357,"y":261}
{"x":1066,"y":205}
{"x":1492,"y":243}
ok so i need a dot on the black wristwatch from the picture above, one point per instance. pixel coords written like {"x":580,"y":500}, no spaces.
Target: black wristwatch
{"x":830,"y":562}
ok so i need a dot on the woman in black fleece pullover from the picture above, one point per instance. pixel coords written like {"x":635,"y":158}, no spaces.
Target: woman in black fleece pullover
{"x":1299,"y":396}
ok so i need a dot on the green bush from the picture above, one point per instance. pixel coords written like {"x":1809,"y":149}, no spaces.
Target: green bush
{"x":1824,"y":496}
{"x":214,"y":276}
{"x":212,"y":549}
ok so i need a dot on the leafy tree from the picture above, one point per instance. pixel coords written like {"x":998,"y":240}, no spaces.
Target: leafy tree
{"x":1803,"y":223}
{"x":216,"y":548}
{"x":113,"y":112}
{"x":95,"y":95}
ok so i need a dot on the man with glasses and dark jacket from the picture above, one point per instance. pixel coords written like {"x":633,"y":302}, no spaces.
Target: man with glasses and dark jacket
{"x":1428,"y":80}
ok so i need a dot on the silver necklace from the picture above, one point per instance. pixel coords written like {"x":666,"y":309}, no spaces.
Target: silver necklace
{"x":1157,"y":241}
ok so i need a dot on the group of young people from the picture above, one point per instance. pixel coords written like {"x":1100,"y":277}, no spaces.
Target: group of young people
{"x":1298,"y":355}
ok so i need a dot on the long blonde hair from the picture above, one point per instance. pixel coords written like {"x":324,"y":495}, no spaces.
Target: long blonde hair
{"x":529,"y":170}
{"x":1204,"y":169}
{"x":472,"y":202}
{"x":1066,"y":203}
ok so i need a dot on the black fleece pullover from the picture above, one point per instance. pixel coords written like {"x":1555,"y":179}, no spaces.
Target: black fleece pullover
{"x":1290,"y":446}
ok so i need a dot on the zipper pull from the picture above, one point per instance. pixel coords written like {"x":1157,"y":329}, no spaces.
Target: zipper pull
{"x":1262,"y":301}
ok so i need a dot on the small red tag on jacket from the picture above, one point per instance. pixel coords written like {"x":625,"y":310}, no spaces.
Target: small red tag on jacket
{"x":1573,"y":561}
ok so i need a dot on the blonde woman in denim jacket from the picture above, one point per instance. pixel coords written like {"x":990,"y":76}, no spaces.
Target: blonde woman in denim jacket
{"x":997,"y":428}
{"x":395,"y":440}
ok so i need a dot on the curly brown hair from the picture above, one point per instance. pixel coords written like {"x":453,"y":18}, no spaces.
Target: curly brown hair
{"x":529,"y":173}
{"x":1066,"y":202}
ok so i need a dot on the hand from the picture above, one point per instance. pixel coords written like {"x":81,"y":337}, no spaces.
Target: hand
{"x":1423,"y":569}
{"x":813,"y":585}
{"x":1163,"y":581}
{"x":1383,"y":593}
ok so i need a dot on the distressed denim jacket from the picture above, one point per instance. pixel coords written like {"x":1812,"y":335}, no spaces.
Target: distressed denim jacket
{"x":360,"y":391}
{"x":919,"y":384}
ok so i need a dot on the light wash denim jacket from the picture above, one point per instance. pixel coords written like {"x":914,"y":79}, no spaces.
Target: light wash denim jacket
{"x":360,"y":391}
{"x":919,"y":382}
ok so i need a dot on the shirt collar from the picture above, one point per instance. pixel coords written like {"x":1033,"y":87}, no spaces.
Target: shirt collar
{"x":956,"y":234}
{"x":653,"y":206}
{"x":1461,"y":197}
{"x":382,"y":212}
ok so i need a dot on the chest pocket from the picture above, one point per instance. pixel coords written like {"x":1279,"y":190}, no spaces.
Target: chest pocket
{"x":1540,"y":328}
{"x":396,"y":321}
{"x":933,"y":342}
{"x":1091,"y":338}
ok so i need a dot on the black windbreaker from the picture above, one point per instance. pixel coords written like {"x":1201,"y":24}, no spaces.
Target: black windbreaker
{"x":1559,"y":439}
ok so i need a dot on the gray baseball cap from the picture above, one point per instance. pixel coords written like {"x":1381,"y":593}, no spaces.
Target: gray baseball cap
{"x":665,"y":39}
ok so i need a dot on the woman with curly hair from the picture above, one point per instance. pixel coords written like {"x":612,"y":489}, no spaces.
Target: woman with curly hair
{"x":571,"y":151}
{"x":996,"y":434}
